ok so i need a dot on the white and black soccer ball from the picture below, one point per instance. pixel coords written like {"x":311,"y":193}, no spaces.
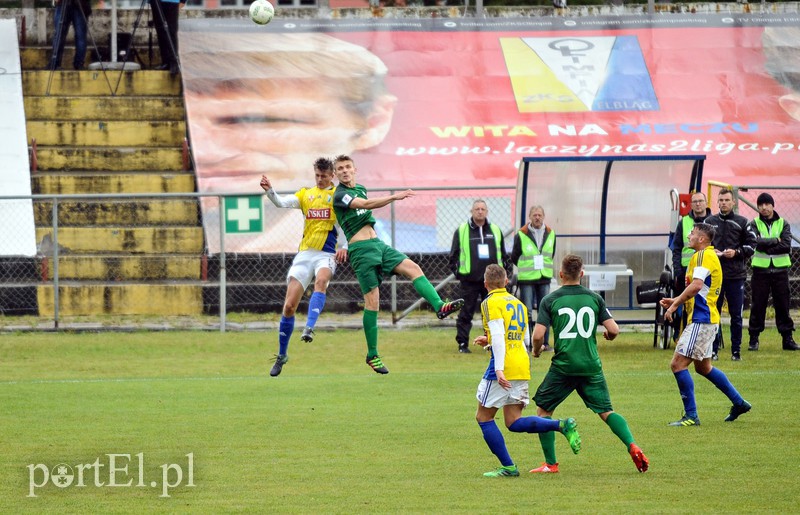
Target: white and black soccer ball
{"x":261,"y":12}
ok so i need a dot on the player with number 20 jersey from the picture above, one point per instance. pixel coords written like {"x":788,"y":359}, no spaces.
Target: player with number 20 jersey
{"x":501,"y":305}
{"x":573,"y":313}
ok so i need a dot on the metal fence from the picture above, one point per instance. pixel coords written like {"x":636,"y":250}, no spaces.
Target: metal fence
{"x":163,"y":257}
{"x":170,"y":255}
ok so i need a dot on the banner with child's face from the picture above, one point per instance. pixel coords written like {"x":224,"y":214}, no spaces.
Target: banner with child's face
{"x":447,"y":102}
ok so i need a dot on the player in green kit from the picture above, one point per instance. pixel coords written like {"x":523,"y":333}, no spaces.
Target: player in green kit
{"x":371,"y":258}
{"x":574,"y":313}
{"x":505,"y":382}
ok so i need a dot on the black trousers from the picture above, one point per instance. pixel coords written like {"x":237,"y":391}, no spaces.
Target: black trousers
{"x":761,"y":286}
{"x":472,"y":293}
{"x":170,"y":12}
{"x":733,"y":292}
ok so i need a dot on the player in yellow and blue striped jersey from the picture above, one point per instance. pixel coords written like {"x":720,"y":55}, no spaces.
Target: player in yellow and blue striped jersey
{"x":316,"y":258}
{"x":704,"y":280}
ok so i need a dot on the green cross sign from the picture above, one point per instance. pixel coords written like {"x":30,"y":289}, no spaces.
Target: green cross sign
{"x":243,"y":214}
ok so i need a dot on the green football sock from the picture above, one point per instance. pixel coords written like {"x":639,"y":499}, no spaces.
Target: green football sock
{"x":428,"y":292}
{"x":620,"y":428}
{"x":371,"y":332}
{"x":548,"y":441}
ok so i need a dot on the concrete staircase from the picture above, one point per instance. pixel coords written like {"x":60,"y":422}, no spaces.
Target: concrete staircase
{"x":133,"y":256}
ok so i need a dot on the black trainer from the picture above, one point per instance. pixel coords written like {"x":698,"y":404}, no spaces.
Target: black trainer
{"x":753,"y":345}
{"x":308,"y":335}
{"x":463,"y":348}
{"x":376,"y":364}
{"x":737,"y":410}
{"x":448,"y":308}
{"x":280,"y":360}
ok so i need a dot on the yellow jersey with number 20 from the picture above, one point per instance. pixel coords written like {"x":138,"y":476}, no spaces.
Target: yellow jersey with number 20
{"x":500,"y":304}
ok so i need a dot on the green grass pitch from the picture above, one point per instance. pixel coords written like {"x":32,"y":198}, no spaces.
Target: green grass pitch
{"x":331,"y":436}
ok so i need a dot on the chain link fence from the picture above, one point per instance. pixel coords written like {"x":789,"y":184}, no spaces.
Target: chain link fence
{"x":165,"y":255}
{"x":787,"y":205}
{"x":421,"y":226}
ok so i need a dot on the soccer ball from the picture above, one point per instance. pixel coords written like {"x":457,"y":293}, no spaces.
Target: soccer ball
{"x":261,"y":12}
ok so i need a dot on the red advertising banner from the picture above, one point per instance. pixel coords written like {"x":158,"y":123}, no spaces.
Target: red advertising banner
{"x":460,"y":101}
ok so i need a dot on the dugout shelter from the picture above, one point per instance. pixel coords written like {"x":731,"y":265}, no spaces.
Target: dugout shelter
{"x":616,"y":212}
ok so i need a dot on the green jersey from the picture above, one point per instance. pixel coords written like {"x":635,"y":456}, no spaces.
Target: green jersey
{"x":351,"y":220}
{"x":574,"y":313}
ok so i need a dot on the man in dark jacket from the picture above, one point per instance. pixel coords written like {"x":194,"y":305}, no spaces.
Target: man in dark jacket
{"x":734,"y":243}
{"x":771,"y":264}
{"x":477,"y":243}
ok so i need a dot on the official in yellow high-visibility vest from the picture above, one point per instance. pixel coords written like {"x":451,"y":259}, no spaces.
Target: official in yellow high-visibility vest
{"x":477,"y":243}
{"x":533,"y":251}
{"x":771,"y":263}
{"x":681,"y":251}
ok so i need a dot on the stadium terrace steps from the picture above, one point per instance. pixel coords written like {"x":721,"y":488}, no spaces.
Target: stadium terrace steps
{"x":103,"y":133}
{"x":74,"y":108}
{"x":119,"y":159}
{"x":131,"y":212}
{"x":122,"y":299}
{"x":123,"y":182}
{"x":99,"y":133}
{"x":95,"y":83}
{"x":150,"y":267}
{"x":37,"y":58}
{"x":123,"y":239}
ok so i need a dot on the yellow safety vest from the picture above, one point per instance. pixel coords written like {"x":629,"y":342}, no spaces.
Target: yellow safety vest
{"x":687,"y":252}
{"x":525,"y":264}
{"x":761,"y":260}
{"x":464,"y":259}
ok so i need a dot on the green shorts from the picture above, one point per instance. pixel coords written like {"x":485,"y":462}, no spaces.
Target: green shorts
{"x":556,"y":387}
{"x":372,"y":260}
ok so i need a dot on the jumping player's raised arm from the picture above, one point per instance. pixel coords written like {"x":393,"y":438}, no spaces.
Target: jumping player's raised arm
{"x":290,"y":201}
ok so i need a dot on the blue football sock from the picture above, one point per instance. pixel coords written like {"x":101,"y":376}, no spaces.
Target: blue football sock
{"x":721,"y":381}
{"x":494,"y":439}
{"x":284,"y":333}
{"x":686,"y":387}
{"x":315,"y":306}
{"x":534,"y":425}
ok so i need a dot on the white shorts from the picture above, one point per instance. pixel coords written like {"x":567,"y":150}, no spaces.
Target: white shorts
{"x":697,"y":341}
{"x":492,"y":395}
{"x":308,"y":263}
